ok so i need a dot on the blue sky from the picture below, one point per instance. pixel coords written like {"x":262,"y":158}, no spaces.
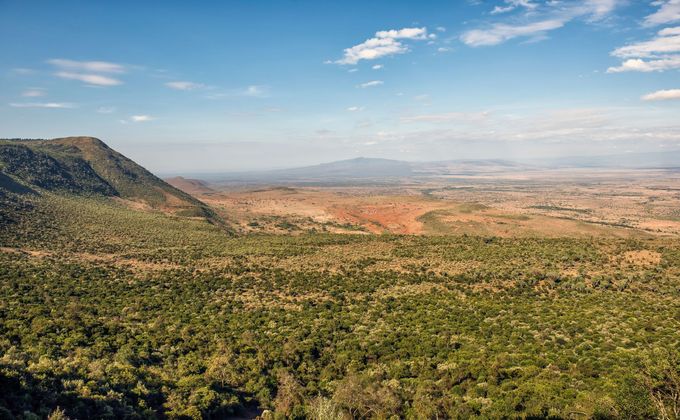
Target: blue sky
{"x":234,"y":85}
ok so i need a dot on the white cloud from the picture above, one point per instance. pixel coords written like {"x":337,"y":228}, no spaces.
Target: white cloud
{"x":537,"y":20}
{"x":637,"y":64}
{"x":90,"y":79}
{"x":372,"y":49}
{"x":385,"y":43}
{"x":106,"y":110}
{"x":253,"y":91}
{"x":500,"y":32}
{"x":512,"y":5}
{"x":141,"y":118}
{"x":355,"y":108}
{"x":406,"y":33}
{"x":669,"y":11}
{"x":184,"y":85}
{"x":663,"y":95}
{"x":56,"y":105}
{"x":377,"y":67}
{"x":33,"y":93}
{"x":87,"y":66}
{"x":23,"y":71}
{"x":354,"y":70}
{"x":440,"y":29}
{"x":599,"y":8}
{"x":657,"y":54}
{"x":89,"y":72}
{"x":371,"y":84}
{"x":550,"y":128}
{"x":257,"y":91}
{"x":666,"y":41}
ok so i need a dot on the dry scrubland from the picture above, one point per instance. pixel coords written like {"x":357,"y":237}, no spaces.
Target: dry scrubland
{"x":534,"y":203}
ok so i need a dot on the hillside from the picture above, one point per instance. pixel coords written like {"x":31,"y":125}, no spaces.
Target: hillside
{"x":189,"y":186}
{"x":86,"y":166}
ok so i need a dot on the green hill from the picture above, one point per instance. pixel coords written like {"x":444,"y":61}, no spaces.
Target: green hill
{"x":86,"y":166}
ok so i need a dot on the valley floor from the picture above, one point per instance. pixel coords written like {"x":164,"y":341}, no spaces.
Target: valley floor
{"x":557,"y":203}
{"x":111,"y":312}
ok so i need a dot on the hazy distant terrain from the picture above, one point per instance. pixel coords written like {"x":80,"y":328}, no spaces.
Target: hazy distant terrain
{"x":498,"y":197}
{"x":372,"y":170}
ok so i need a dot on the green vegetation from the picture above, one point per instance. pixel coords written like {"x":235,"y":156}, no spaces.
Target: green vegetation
{"x":85,"y":166}
{"x":471,"y":207}
{"x":558,"y":208}
{"x":110,"y":312}
{"x":70,"y":174}
{"x":433,"y":223}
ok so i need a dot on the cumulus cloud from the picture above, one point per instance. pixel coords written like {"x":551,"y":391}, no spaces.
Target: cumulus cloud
{"x":355,"y":108}
{"x":95,"y":73}
{"x":372,"y":83}
{"x":663,"y":95}
{"x":657,"y":54}
{"x":184,"y":85}
{"x":669,"y":11}
{"x":385,"y":43}
{"x":537,"y":21}
{"x":55,"y":105}
{"x":637,"y":64}
{"x":377,"y":67}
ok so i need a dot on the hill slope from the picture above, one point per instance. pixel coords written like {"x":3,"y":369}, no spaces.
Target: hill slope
{"x":189,"y":186}
{"x":86,"y":166}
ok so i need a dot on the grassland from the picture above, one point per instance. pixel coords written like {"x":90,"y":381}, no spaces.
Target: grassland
{"x":110,"y":312}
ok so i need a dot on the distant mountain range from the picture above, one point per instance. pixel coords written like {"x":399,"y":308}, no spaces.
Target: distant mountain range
{"x":371,"y":169}
{"x":364,"y":169}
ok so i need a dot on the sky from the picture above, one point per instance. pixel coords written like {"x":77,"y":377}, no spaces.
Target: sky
{"x":192,"y":87}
